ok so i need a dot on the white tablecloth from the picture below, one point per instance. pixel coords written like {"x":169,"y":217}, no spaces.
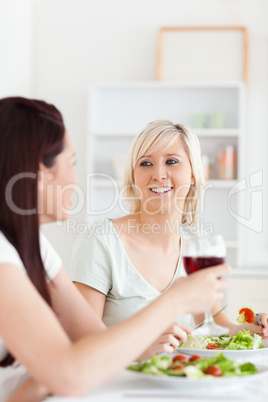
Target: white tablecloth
{"x":129,"y":387}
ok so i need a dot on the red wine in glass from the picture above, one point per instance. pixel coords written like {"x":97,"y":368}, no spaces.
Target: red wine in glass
{"x":193,"y":264}
{"x":201,"y":252}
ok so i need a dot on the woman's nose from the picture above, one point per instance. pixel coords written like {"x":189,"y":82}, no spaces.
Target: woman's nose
{"x":160,"y":172}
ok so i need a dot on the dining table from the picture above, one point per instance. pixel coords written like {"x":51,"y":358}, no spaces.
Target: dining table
{"x":129,"y":386}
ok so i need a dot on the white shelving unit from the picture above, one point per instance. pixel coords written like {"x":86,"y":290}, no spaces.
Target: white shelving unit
{"x":118,"y":111}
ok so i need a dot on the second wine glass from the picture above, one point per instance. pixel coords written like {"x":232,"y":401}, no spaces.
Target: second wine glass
{"x":201,"y":252}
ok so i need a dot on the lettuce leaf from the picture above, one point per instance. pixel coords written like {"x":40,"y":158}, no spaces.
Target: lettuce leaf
{"x":196,"y":342}
{"x":257,"y":342}
{"x":243,"y":340}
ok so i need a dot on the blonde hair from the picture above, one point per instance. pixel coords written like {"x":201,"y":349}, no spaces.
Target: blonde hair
{"x":159,"y":135}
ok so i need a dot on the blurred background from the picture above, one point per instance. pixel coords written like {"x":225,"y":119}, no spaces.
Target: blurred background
{"x":58,"y":50}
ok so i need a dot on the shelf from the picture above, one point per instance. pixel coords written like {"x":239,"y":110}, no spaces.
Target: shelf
{"x":124,"y":109}
{"x":213,"y":132}
{"x":210,"y":183}
{"x":206,"y":133}
{"x":165,"y":84}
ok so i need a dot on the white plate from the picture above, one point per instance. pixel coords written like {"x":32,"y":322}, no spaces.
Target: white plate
{"x":192,"y":383}
{"x":230,"y":354}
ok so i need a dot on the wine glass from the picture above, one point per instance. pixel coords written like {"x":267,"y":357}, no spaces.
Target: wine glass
{"x":201,"y":252}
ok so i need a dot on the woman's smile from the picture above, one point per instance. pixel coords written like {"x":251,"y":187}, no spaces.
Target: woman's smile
{"x":161,"y":191}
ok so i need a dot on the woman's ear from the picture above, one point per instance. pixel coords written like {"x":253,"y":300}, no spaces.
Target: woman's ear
{"x":41,"y":177}
{"x":192,"y":181}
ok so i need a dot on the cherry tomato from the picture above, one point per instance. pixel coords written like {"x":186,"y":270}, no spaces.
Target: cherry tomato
{"x":213,"y":346}
{"x":249,"y":314}
{"x":180,"y":358}
{"x":213,"y":370}
{"x":194,"y":357}
{"x":178,"y":367}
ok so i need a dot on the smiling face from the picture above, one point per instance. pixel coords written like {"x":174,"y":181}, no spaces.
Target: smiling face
{"x":57,"y":184}
{"x":163,"y":179}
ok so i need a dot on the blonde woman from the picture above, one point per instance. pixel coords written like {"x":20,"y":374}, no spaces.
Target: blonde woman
{"x":122,"y":265}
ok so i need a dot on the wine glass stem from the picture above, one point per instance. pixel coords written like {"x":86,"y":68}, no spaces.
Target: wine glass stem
{"x":208,"y":317}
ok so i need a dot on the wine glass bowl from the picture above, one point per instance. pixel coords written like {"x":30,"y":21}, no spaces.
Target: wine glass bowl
{"x":193,"y":264}
{"x":202,"y":252}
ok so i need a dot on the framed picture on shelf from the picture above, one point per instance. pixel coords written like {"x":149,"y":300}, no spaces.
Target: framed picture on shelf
{"x":202,"y":54}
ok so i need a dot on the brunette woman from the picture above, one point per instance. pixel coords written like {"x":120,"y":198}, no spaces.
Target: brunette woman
{"x":48,"y":333}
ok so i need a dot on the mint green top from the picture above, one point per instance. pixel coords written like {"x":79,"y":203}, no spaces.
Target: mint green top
{"x":100,"y":261}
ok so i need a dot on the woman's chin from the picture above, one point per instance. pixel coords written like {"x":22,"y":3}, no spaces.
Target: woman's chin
{"x":159,"y":206}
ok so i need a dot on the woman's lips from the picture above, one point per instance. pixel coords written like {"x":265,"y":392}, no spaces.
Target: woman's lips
{"x":161,"y":190}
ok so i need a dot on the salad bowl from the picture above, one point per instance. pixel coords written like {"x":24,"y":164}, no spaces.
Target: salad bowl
{"x":240,"y":346}
{"x":194,"y":373}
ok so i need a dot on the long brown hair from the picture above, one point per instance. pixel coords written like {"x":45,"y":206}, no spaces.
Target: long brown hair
{"x":31,"y":132}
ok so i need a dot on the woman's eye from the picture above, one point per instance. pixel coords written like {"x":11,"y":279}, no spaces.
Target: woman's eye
{"x":171,"y":161}
{"x":145,"y":163}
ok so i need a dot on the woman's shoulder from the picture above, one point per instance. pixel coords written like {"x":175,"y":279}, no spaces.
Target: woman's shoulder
{"x":105,"y":234}
{"x":8,"y":253}
{"x":100,"y":229}
{"x":5,"y":246}
{"x":100,"y":241}
{"x":96,"y":234}
{"x":109,"y":228}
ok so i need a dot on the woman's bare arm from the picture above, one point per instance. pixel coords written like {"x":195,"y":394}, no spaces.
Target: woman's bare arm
{"x":95,"y":298}
{"x":36,"y":338}
{"x":76,"y":316}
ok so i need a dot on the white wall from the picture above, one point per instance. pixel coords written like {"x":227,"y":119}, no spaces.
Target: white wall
{"x":78,"y":42}
{"x":257,"y":138}
{"x":16,"y":47}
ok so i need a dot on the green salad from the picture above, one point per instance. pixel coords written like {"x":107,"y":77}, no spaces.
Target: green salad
{"x":194,"y":367}
{"x":241,"y":341}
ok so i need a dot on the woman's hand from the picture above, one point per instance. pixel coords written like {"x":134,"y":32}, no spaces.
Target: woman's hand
{"x":30,"y":391}
{"x":263,"y":331}
{"x":202,"y":289}
{"x":255,"y":328}
{"x":168,"y":341}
